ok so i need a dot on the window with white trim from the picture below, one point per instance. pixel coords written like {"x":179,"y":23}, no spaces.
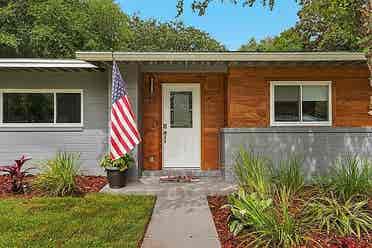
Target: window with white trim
{"x":41,"y":107}
{"x":300,"y":103}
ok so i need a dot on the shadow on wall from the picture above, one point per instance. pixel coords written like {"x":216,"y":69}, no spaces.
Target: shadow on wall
{"x":318,"y":148}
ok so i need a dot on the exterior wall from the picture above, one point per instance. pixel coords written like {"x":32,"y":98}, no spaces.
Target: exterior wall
{"x":318,"y":147}
{"x":249,"y":93}
{"x":42,"y":143}
{"x":212,"y":114}
{"x":91,"y":141}
{"x":248,"y":117}
{"x":239,"y":99}
{"x":131,"y":75}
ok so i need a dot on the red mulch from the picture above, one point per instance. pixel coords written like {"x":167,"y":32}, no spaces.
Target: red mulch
{"x":86,"y":184}
{"x":221,"y":215}
{"x":91,"y":184}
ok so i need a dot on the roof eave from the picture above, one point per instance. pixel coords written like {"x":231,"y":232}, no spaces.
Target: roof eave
{"x":46,"y":64}
{"x":221,"y":56}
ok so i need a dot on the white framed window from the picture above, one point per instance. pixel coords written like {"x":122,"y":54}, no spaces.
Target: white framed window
{"x":41,"y":108}
{"x":301,"y":103}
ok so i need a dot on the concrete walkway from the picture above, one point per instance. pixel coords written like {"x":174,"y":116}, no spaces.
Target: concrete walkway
{"x":181,"y":215}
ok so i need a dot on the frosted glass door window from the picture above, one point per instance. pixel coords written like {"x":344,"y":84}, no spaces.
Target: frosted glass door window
{"x":181,"y":109}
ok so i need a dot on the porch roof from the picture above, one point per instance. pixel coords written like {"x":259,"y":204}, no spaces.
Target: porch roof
{"x":72,"y":65}
{"x":225,"y":57}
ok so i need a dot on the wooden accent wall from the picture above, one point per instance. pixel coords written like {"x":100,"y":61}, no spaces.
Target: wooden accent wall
{"x":248,"y":97}
{"x":213,"y":117}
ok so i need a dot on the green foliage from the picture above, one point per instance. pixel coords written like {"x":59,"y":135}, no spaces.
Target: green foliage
{"x":324,"y":25}
{"x":328,"y":25}
{"x":350,"y":176}
{"x":58,"y":175}
{"x":289,"y":175}
{"x":95,"y":220}
{"x":248,"y":210}
{"x":59,"y":28}
{"x":253,"y":173}
{"x":265,"y":213}
{"x":200,"y":6}
{"x":343,"y":218}
{"x":152,"y":35}
{"x":268,"y":226}
{"x":288,"y":40}
{"x":122,"y":163}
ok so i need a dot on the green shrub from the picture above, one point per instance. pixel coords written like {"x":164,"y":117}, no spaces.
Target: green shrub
{"x":58,"y":175}
{"x":122,"y":163}
{"x":253,"y":173}
{"x":289,"y":175}
{"x":343,"y":218}
{"x":266,"y":225}
{"x":248,"y":210}
{"x":350,"y":176}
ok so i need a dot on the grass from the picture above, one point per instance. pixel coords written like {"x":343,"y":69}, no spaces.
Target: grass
{"x":97,"y":220}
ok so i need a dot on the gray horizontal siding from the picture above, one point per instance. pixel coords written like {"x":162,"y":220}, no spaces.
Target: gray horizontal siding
{"x":131,"y":75}
{"x":90,"y":141}
{"x":319,"y":147}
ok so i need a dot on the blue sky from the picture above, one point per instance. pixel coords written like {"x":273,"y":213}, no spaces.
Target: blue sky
{"x":231,"y":25}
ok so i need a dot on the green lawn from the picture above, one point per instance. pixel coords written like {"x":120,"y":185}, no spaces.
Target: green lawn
{"x":97,"y":220}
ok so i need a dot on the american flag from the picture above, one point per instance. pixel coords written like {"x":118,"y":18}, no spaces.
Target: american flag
{"x":124,"y":135}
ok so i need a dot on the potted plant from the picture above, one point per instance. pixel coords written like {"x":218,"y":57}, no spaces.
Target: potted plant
{"x":117,"y":170}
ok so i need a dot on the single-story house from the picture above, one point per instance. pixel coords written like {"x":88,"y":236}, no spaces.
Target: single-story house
{"x":194,"y":110}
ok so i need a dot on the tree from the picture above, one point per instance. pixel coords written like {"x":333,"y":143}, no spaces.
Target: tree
{"x":323,"y":25}
{"x":200,"y":6}
{"x":152,"y":35}
{"x":288,"y":40}
{"x":329,"y":25}
{"x":58,"y":28}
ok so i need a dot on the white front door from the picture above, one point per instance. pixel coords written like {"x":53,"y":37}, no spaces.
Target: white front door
{"x":181,"y":126}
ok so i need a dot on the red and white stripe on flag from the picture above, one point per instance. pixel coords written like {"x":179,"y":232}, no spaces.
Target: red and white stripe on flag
{"x":124,"y":131}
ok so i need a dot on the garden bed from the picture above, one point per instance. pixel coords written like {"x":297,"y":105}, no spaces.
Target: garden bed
{"x":85,"y":184}
{"x":228,"y":240}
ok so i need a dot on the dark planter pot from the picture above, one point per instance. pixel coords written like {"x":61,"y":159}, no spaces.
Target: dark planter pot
{"x":117,"y":179}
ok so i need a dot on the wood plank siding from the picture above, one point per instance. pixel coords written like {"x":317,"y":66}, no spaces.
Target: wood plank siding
{"x":248,"y":94}
{"x":213,"y":117}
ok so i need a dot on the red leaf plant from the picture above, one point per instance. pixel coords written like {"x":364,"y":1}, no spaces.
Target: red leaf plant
{"x":16,"y":173}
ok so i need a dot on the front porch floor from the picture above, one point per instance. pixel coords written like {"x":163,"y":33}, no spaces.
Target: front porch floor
{"x":181,"y":216}
{"x":152,"y":186}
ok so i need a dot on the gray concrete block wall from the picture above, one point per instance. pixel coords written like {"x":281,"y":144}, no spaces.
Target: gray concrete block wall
{"x":319,"y":147}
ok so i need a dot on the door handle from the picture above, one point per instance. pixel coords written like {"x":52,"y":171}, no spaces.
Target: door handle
{"x":165,"y":137}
